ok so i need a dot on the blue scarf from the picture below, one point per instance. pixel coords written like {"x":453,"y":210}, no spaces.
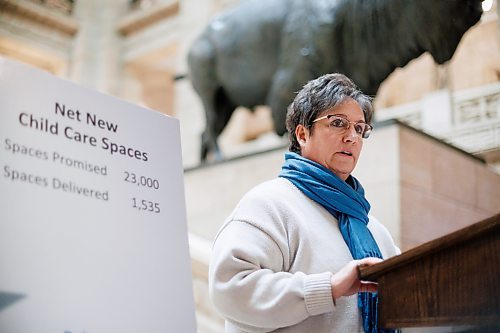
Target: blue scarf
{"x":347,"y":203}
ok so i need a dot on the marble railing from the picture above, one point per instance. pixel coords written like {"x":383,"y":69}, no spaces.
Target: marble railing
{"x":475,"y":118}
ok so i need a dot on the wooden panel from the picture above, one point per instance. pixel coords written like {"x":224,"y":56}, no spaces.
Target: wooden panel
{"x":453,"y":280}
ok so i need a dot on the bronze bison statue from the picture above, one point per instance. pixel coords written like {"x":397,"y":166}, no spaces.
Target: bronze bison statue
{"x":262,"y":52}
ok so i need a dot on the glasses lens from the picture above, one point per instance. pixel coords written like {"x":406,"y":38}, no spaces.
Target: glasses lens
{"x":360,"y":128}
{"x":367,"y":131}
{"x":339,"y":123}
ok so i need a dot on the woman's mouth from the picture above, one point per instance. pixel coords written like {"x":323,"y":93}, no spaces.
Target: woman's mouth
{"x":345,"y":152}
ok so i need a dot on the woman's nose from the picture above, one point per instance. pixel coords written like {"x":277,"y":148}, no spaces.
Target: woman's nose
{"x":350,"y":134}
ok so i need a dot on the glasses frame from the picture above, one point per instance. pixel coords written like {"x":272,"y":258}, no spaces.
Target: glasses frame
{"x":362,"y":135}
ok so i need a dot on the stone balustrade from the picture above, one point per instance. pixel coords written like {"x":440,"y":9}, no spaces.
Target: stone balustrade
{"x":475,"y":118}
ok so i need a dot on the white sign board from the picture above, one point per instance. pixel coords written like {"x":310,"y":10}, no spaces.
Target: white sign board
{"x":93,"y":235}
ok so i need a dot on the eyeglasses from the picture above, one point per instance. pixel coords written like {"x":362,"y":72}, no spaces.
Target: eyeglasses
{"x":339,"y":123}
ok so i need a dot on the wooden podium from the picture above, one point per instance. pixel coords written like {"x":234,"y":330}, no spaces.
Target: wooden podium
{"x":450,"y":281}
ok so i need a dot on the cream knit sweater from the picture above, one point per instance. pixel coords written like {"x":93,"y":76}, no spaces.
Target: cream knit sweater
{"x":272,"y":262}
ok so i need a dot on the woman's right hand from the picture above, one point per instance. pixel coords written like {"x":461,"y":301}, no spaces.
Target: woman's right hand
{"x":346,"y":281}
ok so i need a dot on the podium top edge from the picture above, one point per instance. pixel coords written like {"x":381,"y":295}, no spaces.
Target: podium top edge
{"x":487,"y":226}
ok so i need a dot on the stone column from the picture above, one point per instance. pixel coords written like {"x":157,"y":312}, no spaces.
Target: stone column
{"x":498,"y":16}
{"x":96,"y":53}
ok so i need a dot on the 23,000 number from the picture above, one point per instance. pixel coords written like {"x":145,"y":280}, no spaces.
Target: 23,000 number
{"x":131,"y":177}
{"x":145,"y":205}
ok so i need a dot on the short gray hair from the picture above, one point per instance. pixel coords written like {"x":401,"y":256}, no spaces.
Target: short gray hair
{"x":319,"y":95}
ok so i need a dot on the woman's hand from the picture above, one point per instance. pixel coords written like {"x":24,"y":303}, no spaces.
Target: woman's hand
{"x":346,"y":281}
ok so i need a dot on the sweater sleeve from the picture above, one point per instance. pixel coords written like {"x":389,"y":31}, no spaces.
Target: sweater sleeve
{"x":249,"y":286}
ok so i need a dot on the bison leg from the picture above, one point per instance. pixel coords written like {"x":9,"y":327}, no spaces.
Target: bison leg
{"x":281,"y":95}
{"x":218,"y":109}
{"x":218,"y":113}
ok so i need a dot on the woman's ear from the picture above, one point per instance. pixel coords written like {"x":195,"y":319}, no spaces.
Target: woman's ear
{"x":302,"y":134}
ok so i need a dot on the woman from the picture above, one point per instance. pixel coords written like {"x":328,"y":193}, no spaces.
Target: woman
{"x":286,"y":259}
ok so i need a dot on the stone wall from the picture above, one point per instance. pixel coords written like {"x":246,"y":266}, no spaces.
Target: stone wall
{"x":442,"y":189}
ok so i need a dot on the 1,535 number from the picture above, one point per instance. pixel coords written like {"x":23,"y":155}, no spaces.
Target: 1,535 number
{"x":145,"y":205}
